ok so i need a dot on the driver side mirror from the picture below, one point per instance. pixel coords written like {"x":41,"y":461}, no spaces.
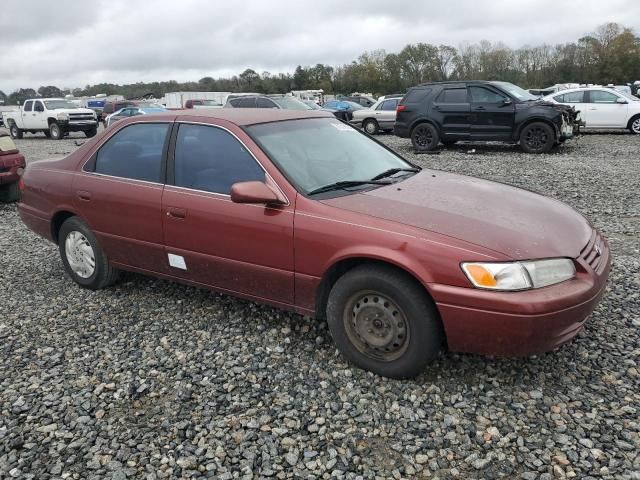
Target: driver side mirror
{"x":507,"y":101}
{"x":621,"y":100}
{"x":254,"y":192}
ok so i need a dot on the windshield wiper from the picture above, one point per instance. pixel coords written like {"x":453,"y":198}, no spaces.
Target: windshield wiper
{"x":345,"y":184}
{"x":393,"y":171}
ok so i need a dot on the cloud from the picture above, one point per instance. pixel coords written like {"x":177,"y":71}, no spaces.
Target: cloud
{"x":70,"y":44}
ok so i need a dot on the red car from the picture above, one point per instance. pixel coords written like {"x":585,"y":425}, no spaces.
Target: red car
{"x":12,"y":165}
{"x":299,"y":210}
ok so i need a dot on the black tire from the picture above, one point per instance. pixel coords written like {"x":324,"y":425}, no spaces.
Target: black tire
{"x":103,"y":273}
{"x":448,"y":143}
{"x":9,"y":193}
{"x":47,"y":133}
{"x":424,"y":137}
{"x":537,"y":137}
{"x":370,"y":126}
{"x":634,"y":125}
{"x":56,"y":131}
{"x":15,"y":132}
{"x":91,"y":133}
{"x":374,"y":304}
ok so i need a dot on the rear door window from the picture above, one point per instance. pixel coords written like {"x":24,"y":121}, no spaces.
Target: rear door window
{"x":211,"y":159}
{"x":249,"y":102}
{"x":453,"y":95}
{"x":389,"y":104}
{"x":28,"y":106}
{"x":416,"y":95}
{"x":135,"y":152}
{"x":266,"y":103}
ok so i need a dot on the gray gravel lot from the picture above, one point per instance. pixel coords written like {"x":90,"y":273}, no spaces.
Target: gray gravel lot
{"x":152,"y":379}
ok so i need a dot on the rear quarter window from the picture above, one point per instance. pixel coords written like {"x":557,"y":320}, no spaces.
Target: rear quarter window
{"x":453,"y":95}
{"x":416,"y":95}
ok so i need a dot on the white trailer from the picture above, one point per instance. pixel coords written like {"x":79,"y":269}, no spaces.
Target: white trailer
{"x":179,"y":99}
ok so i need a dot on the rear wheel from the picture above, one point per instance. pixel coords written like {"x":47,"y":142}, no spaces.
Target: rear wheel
{"x":634,"y":125}
{"x":9,"y":193}
{"x":371,"y":126}
{"x":55,"y":131}
{"x":383,"y":321}
{"x":537,"y":137}
{"x":83,"y":259}
{"x":424,"y":137}
{"x":15,"y":132}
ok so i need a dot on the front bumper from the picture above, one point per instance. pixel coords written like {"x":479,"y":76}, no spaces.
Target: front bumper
{"x":10,"y":168}
{"x":79,"y":126}
{"x":521,"y":323}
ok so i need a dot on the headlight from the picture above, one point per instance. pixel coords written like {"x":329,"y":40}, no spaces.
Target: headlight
{"x":519,"y":275}
{"x":63,"y":116}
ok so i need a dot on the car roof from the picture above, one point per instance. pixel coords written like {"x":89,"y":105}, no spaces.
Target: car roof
{"x":244,"y":116}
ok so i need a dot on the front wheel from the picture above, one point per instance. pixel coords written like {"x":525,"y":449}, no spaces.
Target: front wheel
{"x":83,"y":259}
{"x":15,"y":132}
{"x":634,"y":125}
{"x":383,"y":321}
{"x":91,"y":132}
{"x":537,"y":137}
{"x":55,"y":131}
{"x":424,"y":137}
{"x":371,"y":126}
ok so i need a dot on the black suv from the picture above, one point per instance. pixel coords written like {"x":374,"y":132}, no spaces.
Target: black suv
{"x":478,"y":110}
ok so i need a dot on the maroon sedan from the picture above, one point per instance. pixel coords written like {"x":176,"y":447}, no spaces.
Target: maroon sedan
{"x":299,"y":210}
{"x":12,"y":165}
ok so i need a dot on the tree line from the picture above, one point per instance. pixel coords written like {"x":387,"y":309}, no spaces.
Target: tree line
{"x":611,"y":54}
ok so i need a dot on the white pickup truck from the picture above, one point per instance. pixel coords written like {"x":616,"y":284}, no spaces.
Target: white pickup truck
{"x":55,"y":117}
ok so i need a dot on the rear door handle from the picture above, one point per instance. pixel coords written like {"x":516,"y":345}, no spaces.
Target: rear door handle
{"x":176,"y":212}
{"x":84,"y":195}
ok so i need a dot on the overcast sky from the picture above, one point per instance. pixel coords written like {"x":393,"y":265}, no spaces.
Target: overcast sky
{"x":72,"y":43}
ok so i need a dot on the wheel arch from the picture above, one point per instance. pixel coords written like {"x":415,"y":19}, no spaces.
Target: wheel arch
{"x":57,"y":220}
{"x":418,"y":121}
{"x":632,"y":119}
{"x":51,"y":120}
{"x":341,"y":266}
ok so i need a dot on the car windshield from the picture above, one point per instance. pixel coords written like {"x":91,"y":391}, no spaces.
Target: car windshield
{"x":55,"y":104}
{"x":515,"y":91}
{"x":312,"y":105}
{"x":290,"y":103}
{"x":316,"y":152}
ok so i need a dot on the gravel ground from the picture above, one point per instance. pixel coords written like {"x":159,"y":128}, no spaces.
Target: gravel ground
{"x":152,"y":379}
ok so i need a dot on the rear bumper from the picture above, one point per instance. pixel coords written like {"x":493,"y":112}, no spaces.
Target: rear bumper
{"x":10,"y":166}
{"x":520,"y":323}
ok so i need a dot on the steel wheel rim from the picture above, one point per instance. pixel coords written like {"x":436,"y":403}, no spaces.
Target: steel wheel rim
{"x":423,"y":137}
{"x":536,"y":138}
{"x":370,"y":127}
{"x":54,"y":130}
{"x":635,"y":126}
{"x":376,"y":326}
{"x":80,"y":255}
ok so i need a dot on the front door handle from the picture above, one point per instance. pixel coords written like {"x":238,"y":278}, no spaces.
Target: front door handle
{"x":176,"y":212}
{"x":84,"y":195}
{"x":479,"y":108}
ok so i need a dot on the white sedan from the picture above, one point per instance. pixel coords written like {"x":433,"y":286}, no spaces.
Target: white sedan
{"x":601,"y":107}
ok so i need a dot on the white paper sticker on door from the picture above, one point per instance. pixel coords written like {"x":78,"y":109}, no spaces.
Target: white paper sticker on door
{"x":177,"y":261}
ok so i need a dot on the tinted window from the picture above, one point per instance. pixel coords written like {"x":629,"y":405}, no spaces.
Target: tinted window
{"x":416,"y":95}
{"x":247,"y":102}
{"x":572,"y":97}
{"x":600,"y":96}
{"x":28,"y":106}
{"x":484,"y":95}
{"x":453,"y":95}
{"x":134,"y":152}
{"x":389,"y":105}
{"x":559,"y":98}
{"x":265,"y":103}
{"x":38,"y":107}
{"x":211,"y":159}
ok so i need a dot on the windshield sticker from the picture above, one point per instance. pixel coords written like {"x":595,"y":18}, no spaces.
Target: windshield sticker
{"x":342,"y":127}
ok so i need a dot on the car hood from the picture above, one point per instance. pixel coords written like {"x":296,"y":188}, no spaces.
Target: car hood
{"x":514,"y":222}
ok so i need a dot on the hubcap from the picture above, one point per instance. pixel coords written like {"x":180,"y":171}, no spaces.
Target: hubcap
{"x":80,"y":254}
{"x":536,"y":138}
{"x":370,"y":127}
{"x":423,"y":137}
{"x":376,"y":326}
{"x":635,"y":126}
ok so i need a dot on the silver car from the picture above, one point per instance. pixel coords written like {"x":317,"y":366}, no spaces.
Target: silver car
{"x":381,"y":116}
